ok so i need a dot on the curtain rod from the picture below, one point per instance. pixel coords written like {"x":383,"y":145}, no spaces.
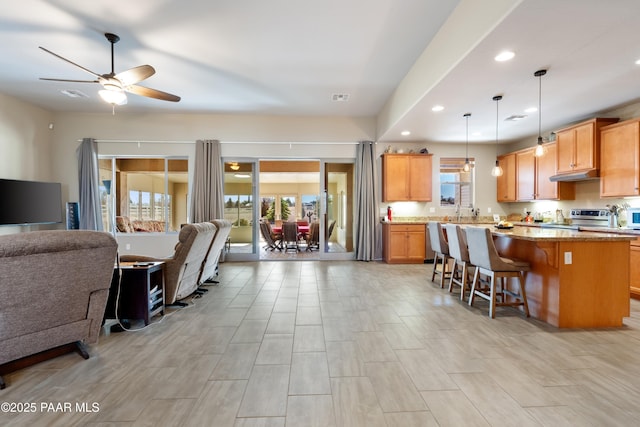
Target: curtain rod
{"x":139,"y":141}
{"x":289,"y":143}
{"x":221,"y":142}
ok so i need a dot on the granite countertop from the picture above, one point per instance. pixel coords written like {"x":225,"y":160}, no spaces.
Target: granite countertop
{"x":619,"y":230}
{"x":555,"y":234}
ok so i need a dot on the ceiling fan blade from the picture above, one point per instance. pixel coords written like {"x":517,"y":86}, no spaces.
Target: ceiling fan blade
{"x":152,"y":93}
{"x":68,"y":80}
{"x":70,"y":62}
{"x":135,"y":75}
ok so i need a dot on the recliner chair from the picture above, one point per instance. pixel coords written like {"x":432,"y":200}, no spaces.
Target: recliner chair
{"x":183,"y":269}
{"x":210,"y":264}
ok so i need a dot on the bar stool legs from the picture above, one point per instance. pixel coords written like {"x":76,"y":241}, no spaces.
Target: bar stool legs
{"x":498,"y":297}
{"x":459,"y":276}
{"x":443,"y":259}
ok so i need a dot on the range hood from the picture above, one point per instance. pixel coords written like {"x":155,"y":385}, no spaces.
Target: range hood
{"x":575,"y":176}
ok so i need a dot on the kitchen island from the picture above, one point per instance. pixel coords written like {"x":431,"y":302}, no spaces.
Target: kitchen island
{"x":578,"y":279}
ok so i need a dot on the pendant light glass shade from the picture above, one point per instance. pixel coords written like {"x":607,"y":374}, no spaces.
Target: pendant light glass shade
{"x":540,"y":149}
{"x":467,"y":165}
{"x":497,"y":170}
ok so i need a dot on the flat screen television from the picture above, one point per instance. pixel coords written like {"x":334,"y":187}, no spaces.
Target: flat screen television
{"x":30,"y":202}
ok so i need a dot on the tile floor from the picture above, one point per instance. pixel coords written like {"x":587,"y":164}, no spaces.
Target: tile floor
{"x":310,"y":343}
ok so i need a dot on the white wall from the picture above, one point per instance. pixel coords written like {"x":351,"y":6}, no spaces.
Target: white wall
{"x":25,"y":147}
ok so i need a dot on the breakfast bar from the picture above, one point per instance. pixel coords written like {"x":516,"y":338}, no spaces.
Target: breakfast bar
{"x":578,"y":279}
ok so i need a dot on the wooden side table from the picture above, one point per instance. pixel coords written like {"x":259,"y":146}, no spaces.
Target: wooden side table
{"x":141,"y":291}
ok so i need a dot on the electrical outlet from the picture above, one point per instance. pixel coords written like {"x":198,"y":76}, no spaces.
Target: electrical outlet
{"x":567,"y":258}
{"x":432,"y":210}
{"x":127,"y":246}
{"x":488,"y":210}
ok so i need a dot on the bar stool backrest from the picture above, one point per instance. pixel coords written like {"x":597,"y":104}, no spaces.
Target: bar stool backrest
{"x":481,"y":247}
{"x":457,"y":242}
{"x":436,"y":236}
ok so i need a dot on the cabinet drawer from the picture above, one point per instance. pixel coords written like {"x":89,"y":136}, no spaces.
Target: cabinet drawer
{"x":397,"y":228}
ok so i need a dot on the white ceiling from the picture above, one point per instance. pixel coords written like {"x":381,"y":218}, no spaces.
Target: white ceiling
{"x":288,"y":57}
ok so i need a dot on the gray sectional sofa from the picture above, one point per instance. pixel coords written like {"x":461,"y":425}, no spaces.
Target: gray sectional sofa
{"x":53,"y":290}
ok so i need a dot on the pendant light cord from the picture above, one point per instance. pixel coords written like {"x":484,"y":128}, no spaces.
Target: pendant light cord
{"x":497,"y":99}
{"x":540,"y":106}
{"x":539,"y":74}
{"x":467,"y":146}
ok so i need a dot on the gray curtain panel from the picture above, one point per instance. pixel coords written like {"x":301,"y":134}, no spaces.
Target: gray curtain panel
{"x":89,"y":186}
{"x":366,"y":215}
{"x":207,"y":200}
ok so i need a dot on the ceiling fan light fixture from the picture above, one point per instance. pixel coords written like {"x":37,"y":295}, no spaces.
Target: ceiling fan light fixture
{"x":234,"y":166}
{"x":113,"y":96}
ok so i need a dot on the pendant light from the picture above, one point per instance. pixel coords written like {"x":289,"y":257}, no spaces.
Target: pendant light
{"x":497,"y":170}
{"x":467,"y":165}
{"x":540,"y":150}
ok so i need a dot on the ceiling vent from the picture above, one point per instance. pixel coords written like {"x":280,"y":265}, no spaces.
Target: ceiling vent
{"x":71,"y":93}
{"x":340,"y":97}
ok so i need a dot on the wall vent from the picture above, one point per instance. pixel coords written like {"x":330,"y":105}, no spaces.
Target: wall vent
{"x":340,"y":97}
{"x":72,"y":93}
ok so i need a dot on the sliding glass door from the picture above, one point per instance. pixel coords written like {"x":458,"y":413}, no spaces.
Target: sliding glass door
{"x":336,"y":235}
{"x":241,"y":207}
{"x":305,"y":191}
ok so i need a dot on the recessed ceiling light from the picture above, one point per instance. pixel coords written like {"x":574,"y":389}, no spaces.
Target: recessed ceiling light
{"x":638,"y":62}
{"x":531,"y":110}
{"x":405,"y":133}
{"x":504,"y":56}
{"x":437,"y":108}
{"x":241,"y":175}
{"x":515,"y":118}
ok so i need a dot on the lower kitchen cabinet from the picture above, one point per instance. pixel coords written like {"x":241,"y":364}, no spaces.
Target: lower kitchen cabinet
{"x":634,"y":269}
{"x":404,"y":243}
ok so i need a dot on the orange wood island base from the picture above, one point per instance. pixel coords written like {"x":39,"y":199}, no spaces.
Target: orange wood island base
{"x":578,"y":279}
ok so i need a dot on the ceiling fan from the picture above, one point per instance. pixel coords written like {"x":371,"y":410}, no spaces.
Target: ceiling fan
{"x":115,"y":85}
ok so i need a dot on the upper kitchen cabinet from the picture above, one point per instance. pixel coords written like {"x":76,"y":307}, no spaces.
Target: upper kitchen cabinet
{"x":579,"y":146}
{"x":533,"y":173}
{"x":406,"y":177}
{"x":525,"y":175}
{"x":506,"y":183}
{"x":620,"y":159}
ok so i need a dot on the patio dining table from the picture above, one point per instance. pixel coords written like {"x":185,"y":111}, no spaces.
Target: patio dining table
{"x":302,"y":229}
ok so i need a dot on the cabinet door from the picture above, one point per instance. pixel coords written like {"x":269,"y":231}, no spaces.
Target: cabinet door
{"x":545,"y":168}
{"x":619,"y":160}
{"x":416,"y":246}
{"x":397,"y":247}
{"x":395,"y":171}
{"x":565,"y":141}
{"x":420,"y":170}
{"x":634,"y":270}
{"x":506,"y":184}
{"x":525,"y":173}
{"x":585,"y":157}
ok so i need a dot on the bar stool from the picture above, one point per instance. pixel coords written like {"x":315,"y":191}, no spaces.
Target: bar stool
{"x":441,"y":248}
{"x":484,"y":255}
{"x":458,"y":250}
